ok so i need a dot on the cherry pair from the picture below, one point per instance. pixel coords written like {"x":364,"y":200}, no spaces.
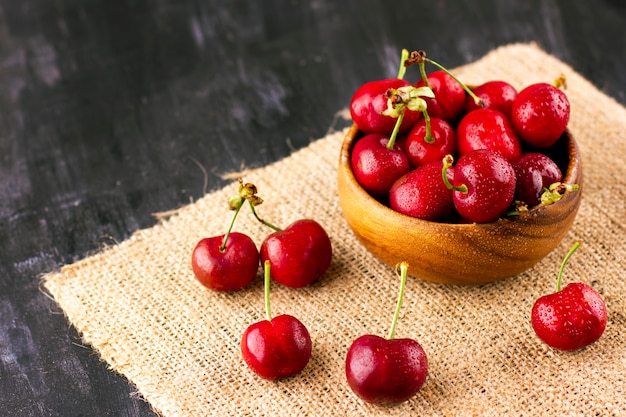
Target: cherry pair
{"x":299,"y":254}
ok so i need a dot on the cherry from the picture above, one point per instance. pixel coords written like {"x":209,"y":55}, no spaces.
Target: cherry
{"x":376,"y":164}
{"x":483,"y":184}
{"x":370,"y":102}
{"x":421,"y":193}
{"x":277,"y":347}
{"x":540,"y":114}
{"x":420,"y":150}
{"x":497,"y":95}
{"x":571,"y":318}
{"x":449,"y":98}
{"x":534,"y":172}
{"x":228,"y":262}
{"x":488,"y":129}
{"x":386,"y":371}
{"x":228,"y":269}
{"x":300,"y":254}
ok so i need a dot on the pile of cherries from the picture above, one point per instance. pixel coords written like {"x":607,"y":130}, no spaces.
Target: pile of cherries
{"x":500,"y":138}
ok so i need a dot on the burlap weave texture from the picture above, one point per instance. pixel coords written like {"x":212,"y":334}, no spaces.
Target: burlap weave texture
{"x":139,"y":306}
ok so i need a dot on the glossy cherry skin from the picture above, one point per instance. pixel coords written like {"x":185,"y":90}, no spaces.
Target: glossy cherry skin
{"x":298,"y":254}
{"x":385,"y":371}
{"x":449,"y":100}
{"x":421,"y":152}
{"x":540,"y":114}
{"x":497,"y":95}
{"x":422,"y":193}
{"x":230,"y":270}
{"x":570,"y":319}
{"x":490,"y":181}
{"x":370,"y":100}
{"x":534,"y":171}
{"x":488,"y":129}
{"x":277,"y":349}
{"x":376,"y":167}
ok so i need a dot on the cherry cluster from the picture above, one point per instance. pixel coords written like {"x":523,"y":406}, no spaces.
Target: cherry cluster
{"x":439,"y":150}
{"x":298,"y":255}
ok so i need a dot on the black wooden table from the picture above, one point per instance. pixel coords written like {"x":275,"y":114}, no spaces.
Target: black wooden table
{"x":111,"y":111}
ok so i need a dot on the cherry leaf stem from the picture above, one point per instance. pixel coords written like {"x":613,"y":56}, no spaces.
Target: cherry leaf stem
{"x":268,"y":224}
{"x":423,"y":74}
{"x":396,"y":129}
{"x":403,"y":266}
{"x":477,"y":99}
{"x":447,"y":163}
{"x":569,"y":255}
{"x":403,"y":57}
{"x":428,"y":137}
{"x":266,"y":288}
{"x":230,"y":228}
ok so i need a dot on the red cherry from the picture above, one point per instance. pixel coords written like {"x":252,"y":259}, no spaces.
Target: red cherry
{"x":376,"y":167}
{"x":422,"y":193}
{"x":488,"y":129}
{"x":449,"y":98}
{"x":228,"y":262}
{"x":540,"y":114}
{"x":277,"y":347}
{"x":571,"y":318}
{"x":230,"y":269}
{"x":420,"y":150}
{"x":497,"y":95}
{"x":370,"y":100}
{"x":484,"y":185}
{"x":299,"y":254}
{"x":534,"y":172}
{"x":386,"y":371}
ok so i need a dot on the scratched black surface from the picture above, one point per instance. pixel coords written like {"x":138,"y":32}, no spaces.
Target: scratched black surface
{"x":108,"y":109}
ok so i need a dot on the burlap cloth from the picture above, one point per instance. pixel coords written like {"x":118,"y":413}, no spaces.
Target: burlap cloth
{"x":140,"y":307}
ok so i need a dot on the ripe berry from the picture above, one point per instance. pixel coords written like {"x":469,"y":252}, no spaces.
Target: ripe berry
{"x":484,"y":185}
{"x":497,"y":95}
{"x":421,"y":150}
{"x":449,"y":98}
{"x":488,"y":129}
{"x":540,"y":114}
{"x":422,"y":193}
{"x":376,"y":166}
{"x":534,"y":172}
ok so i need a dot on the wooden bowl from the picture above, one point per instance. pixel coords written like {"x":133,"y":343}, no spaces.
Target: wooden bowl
{"x":464,"y":253}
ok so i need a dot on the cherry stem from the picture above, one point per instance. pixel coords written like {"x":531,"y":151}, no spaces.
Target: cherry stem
{"x":447,"y":163}
{"x":569,"y":255}
{"x":477,"y":99}
{"x":428,"y":138}
{"x":403,"y":57}
{"x":422,"y":69}
{"x":396,"y":129}
{"x":230,"y":228}
{"x":266,"y":223}
{"x":403,"y":266}
{"x":266,"y":285}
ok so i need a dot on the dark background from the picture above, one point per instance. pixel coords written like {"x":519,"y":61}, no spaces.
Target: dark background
{"x":110,"y":111}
